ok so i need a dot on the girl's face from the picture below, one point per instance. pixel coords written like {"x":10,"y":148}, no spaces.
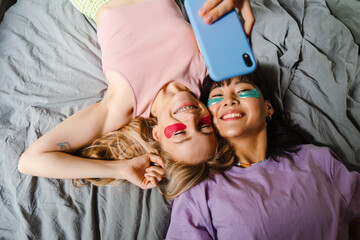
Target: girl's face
{"x":238,"y":109}
{"x":185,"y":129}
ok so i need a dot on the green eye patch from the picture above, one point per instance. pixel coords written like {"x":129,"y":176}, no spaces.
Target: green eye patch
{"x":248,"y":94}
{"x":212,"y":101}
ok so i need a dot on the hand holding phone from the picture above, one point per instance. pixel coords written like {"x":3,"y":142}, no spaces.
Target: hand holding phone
{"x":212,"y":10}
{"x":223,"y":44}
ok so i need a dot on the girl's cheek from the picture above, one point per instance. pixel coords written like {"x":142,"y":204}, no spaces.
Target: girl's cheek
{"x":213,"y":110}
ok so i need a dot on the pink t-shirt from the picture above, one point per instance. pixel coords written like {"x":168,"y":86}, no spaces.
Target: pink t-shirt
{"x":149,"y":45}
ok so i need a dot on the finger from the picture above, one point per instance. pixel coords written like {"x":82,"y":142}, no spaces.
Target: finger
{"x":157,"y":160}
{"x":159,"y":170}
{"x":151,"y":182}
{"x":153,"y":175}
{"x":219,"y":11}
{"x":145,"y":183}
{"x":248,"y":16}
{"x":207,"y":6}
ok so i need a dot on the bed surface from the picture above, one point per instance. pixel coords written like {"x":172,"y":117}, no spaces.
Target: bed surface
{"x":50,"y":67}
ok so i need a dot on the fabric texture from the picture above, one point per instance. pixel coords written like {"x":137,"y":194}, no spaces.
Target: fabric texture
{"x":143,"y":48}
{"x":312,"y":196}
{"x":89,"y":7}
{"x":50,"y":65}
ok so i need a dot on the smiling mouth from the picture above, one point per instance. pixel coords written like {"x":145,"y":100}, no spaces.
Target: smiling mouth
{"x":232,"y":116}
{"x":185,"y":108}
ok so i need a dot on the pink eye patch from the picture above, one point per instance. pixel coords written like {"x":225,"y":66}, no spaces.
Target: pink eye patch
{"x":173,"y":128}
{"x":205,"y":120}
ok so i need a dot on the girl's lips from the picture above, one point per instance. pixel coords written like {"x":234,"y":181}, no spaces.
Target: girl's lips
{"x":232,"y":115}
{"x":185,"y":107}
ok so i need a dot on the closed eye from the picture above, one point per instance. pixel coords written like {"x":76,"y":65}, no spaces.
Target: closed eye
{"x":247,"y":93}
{"x":205,"y":126}
{"x":206,"y":129}
{"x":243,"y":91}
{"x":179,"y":133}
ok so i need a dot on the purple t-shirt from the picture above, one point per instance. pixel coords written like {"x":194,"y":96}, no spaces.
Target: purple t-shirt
{"x":312,"y":196}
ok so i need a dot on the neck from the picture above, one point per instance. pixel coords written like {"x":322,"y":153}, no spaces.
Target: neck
{"x":250,"y":149}
{"x":164,"y":96}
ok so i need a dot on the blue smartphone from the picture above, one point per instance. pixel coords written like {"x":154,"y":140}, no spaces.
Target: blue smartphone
{"x":223,"y":44}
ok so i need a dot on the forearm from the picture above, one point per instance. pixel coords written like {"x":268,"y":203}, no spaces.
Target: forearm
{"x":65,"y":166}
{"x":74,"y":132}
{"x":84,"y":126}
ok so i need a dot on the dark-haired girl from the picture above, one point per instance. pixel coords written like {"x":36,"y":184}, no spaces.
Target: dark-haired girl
{"x":277,"y":188}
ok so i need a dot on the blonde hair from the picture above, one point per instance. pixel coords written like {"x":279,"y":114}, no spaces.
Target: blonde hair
{"x":135,"y":139}
{"x":182,"y":177}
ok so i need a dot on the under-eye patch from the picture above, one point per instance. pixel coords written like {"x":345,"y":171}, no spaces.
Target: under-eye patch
{"x":170,"y":130}
{"x":248,"y":94}
{"x":212,"y":101}
{"x":205,"y":121}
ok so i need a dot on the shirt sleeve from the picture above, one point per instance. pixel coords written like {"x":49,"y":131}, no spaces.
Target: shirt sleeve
{"x":348,"y":184}
{"x":187,"y":221}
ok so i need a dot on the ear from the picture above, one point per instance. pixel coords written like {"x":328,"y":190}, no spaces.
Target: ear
{"x":269,"y":109}
{"x":155,"y":133}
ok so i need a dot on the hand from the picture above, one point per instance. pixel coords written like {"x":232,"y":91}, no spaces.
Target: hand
{"x":140,"y":172}
{"x":212,"y":10}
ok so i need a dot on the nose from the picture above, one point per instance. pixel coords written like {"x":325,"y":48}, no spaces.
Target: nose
{"x":231,"y":101}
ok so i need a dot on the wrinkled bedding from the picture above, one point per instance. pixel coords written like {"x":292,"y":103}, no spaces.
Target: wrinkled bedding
{"x":50,"y":67}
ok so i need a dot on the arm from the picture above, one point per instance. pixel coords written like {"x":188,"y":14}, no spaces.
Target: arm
{"x":49,"y":156}
{"x":137,"y":170}
{"x":214,"y":9}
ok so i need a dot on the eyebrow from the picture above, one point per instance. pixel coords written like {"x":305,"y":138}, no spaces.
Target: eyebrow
{"x":189,"y":138}
{"x":183,"y":140}
{"x":243,"y":81}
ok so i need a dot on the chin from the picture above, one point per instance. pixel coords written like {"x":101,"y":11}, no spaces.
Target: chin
{"x":183,"y":97}
{"x":230,"y":134}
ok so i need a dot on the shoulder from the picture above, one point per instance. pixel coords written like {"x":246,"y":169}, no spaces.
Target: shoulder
{"x":313,"y":156}
{"x":309,"y":155}
{"x":112,"y":5}
{"x":202,"y":188}
{"x":203,"y":191}
{"x":191,"y":202}
{"x":317,"y":152}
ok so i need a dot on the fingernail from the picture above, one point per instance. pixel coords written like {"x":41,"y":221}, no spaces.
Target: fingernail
{"x":209,"y":19}
{"x":202,"y":11}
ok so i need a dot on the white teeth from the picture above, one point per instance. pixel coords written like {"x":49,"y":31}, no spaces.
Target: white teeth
{"x":185,"y":108}
{"x":233,"y":115}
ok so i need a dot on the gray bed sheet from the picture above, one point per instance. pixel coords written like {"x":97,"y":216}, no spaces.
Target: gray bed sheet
{"x":310,"y":51}
{"x":50,"y":67}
